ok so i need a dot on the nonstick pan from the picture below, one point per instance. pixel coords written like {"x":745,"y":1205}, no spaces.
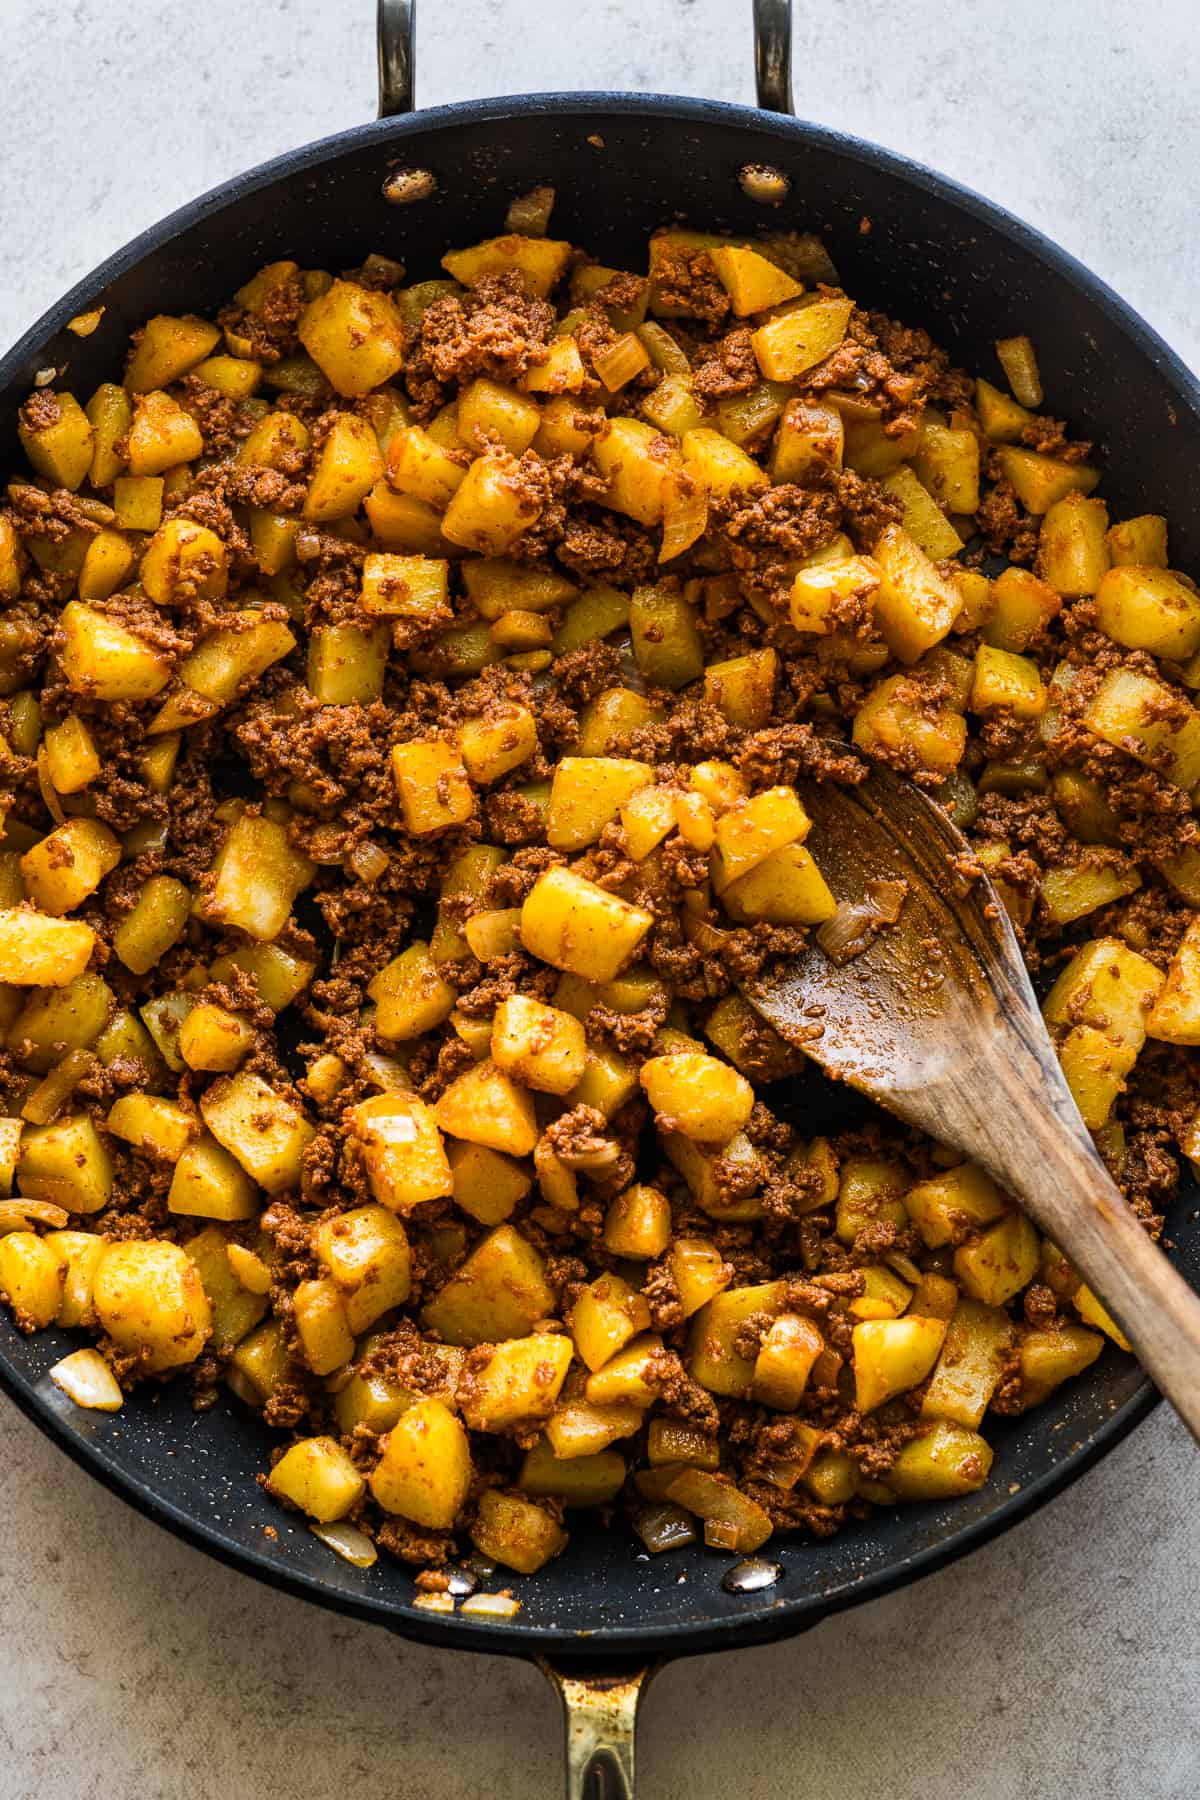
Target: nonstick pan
{"x":902,"y":238}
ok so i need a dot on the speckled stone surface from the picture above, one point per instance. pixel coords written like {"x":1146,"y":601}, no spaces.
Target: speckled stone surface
{"x":1062,"y":1660}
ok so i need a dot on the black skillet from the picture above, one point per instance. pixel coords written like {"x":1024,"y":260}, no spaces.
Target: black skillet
{"x":934,"y":254}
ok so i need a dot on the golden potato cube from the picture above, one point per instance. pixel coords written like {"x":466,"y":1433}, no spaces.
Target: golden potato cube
{"x":432,"y":785}
{"x":32,"y":1279}
{"x":818,"y":589}
{"x":224,"y":662}
{"x":109,"y":412}
{"x":158,"y":919}
{"x":712,"y":1357}
{"x":1142,"y":540}
{"x":489,"y":414}
{"x":1092,"y":1312}
{"x":1175,"y":1015}
{"x":214,"y":1040}
{"x":582,"y":1480}
{"x":419,"y":469}
{"x":672,"y":407}
{"x":721,"y":467}
{"x":670,"y":1441}
{"x":319,"y":1477}
{"x":209,"y":1183}
{"x":635,"y":460}
{"x":587,"y":794}
{"x":608,"y":1081}
{"x":563,"y":371}
{"x":1005,"y":682}
{"x":402,"y":1150}
{"x":519,"y":1383}
{"x":785,"y":1361}
{"x":149,"y":1298}
{"x":491,"y":507}
{"x":972,"y":1361}
{"x":262,"y":1363}
{"x":540,"y":261}
{"x":1002,"y":1261}
{"x":786,"y":888}
{"x":497,"y":743}
{"x":425,"y":1470}
{"x":1146,"y":608}
{"x":354,"y":335}
{"x":410,"y":996}
{"x":921,"y":516}
{"x":319,"y":1315}
{"x":884,"y":1295}
{"x":405,"y":587}
{"x":915,"y":606}
{"x":629,"y":1378}
{"x":732,"y":1521}
{"x":10,"y":561}
{"x":963,"y":1195}
{"x":540,"y":1045}
{"x":365,"y":1252}
{"x":515,"y":1532}
{"x":39,"y":952}
{"x":498,"y":586}
{"x":869,"y":1190}
{"x":166,"y":348}
{"x":1072,"y":548}
{"x":107,"y":561}
{"x":234,"y":377}
{"x":59,"y":446}
{"x":1020,"y":608}
{"x":751,"y":830}
{"x":795,"y":341}
{"x":697,"y":1162}
{"x":278,"y":975}
{"x":574,"y":925}
{"x":947,"y":464}
{"x":66,"y":867}
{"x":65,"y":1163}
{"x":941,"y":1464}
{"x":348,"y":465}
{"x":1048,"y":1358}
{"x":162,"y":435}
{"x":698,"y":1095}
{"x":1151,"y":722}
{"x":487,"y":1185}
{"x":156,"y":1127}
{"x":485,"y":1106}
{"x":256,"y":878}
{"x":102,"y":660}
{"x":743,"y":688}
{"x":809,"y":442}
{"x":898,"y":715}
{"x":606,"y":721}
{"x":647,"y":817}
{"x":347,"y":665}
{"x":577,"y":1430}
{"x":138,"y":502}
{"x":182,"y":562}
{"x":1094,"y":1069}
{"x":607,"y":1314}
{"x":666,"y":644}
{"x":1106,"y":985}
{"x":72,"y":760}
{"x":892,"y":1355}
{"x":500,"y":1292}
{"x":699,"y":1271}
{"x":638,"y":1223}
{"x":751,"y":281}
{"x":1071,"y":893}
{"x":1038,"y":481}
{"x":78,"y":1252}
{"x":259,"y":1127}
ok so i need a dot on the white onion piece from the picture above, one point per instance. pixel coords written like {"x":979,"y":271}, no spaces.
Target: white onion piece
{"x":351,"y":1544}
{"x":442,"y":1603}
{"x":490,"y":1606}
{"x":86,"y":1378}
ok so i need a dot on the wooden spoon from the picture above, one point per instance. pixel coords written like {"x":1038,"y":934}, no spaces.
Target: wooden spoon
{"x":936,"y":1019}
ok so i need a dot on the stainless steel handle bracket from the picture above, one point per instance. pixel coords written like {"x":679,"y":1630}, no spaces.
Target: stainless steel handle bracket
{"x":773,"y":54}
{"x":599,"y":1722}
{"x":395,"y":21}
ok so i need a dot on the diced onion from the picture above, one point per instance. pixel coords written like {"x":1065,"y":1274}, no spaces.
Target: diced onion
{"x":348,"y":1542}
{"x":53,"y":1091}
{"x":19,"y":1215}
{"x":386,"y":1073}
{"x":888,"y":898}
{"x":84,"y":323}
{"x":622,"y":361}
{"x":685,"y":514}
{"x":48,"y":790}
{"x":848,"y":932}
{"x":368,"y":861}
{"x":86,"y":1378}
{"x":1019,"y":362}
{"x":490,"y":1606}
{"x":664,"y":1527}
{"x":529,"y":214}
{"x":665,"y":353}
{"x":442,"y":1603}
{"x":708,"y":938}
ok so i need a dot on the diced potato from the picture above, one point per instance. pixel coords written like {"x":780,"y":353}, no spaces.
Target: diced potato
{"x":922,"y":518}
{"x":158,"y":919}
{"x":410,"y":996}
{"x":1150,"y":722}
{"x":666,"y":644}
{"x":354,"y":335}
{"x":497,"y":743}
{"x":494,"y":933}
{"x":519,"y":1383}
{"x":606,"y":1315}
{"x":71,"y":756}
{"x":672,"y":406}
{"x":743,"y":688}
{"x":419,"y":467}
{"x":818,"y":589}
{"x":808,"y":443}
{"x":1072,"y":550}
{"x":884,"y":1295}
{"x":1146,"y":608}
{"x":1048,"y":1358}
{"x":947,"y":463}
{"x":721,"y":466}
{"x":1071,"y":893}
{"x":262,"y":1362}
{"x":647,"y":817}
{"x":425,"y":1470}
{"x":541,"y":262}
{"x":751,"y":830}
{"x":1175,"y":1014}
{"x":576,"y":926}
{"x":78,"y":1252}
{"x":365,"y":1253}
{"x":432,"y":785}
{"x":256,"y":877}
{"x":515,"y":1532}
{"x":1106,"y":985}
{"x":614,"y":715}
{"x":698,"y":1095}
{"x":214,"y":1040}
{"x":629,"y":1377}
{"x":869,"y":1191}
{"x":786,"y":888}
{"x":485,"y":1106}
{"x":39,"y":952}
{"x":635,"y":460}
{"x":319,"y":1315}
{"x":500,"y":1292}
{"x":261,"y":1128}
{"x":319,"y":1477}
{"x":1038,"y":481}
{"x":157,"y":1127}
{"x":183,"y":562}
{"x":402,"y":1150}
{"x":969,"y":1368}
{"x":540,"y":1045}
{"x":1002,"y":1261}
{"x":577,"y":1481}
{"x":103,"y":660}
{"x":914,"y":605}
{"x":278,"y":975}
{"x":785,"y":1360}
{"x":638,"y":1224}
{"x":1094,"y":1069}
{"x":346,"y":665}
{"x":66,"y":867}
{"x":60,"y":445}
{"x":563,"y":371}
{"x":587,"y":794}
{"x":150,"y":1299}
{"x":751,"y":281}
{"x":491,"y":507}
{"x":31,"y":1279}
{"x":107,"y":561}
{"x":1092,"y":1312}
{"x":893,"y":1355}
{"x":1142,"y":540}
{"x":795,"y":341}
{"x":347,"y":466}
{"x":712,"y":1358}
{"x":209,"y":1183}
{"x":1020,"y":608}
{"x":898,"y":715}
{"x":943,"y":1205}
{"x":65,"y":1163}
{"x":713,"y":1170}
{"x":732,"y":1521}
{"x":577,"y":1430}
{"x":162,"y":435}
{"x":1005,"y":682}
{"x":489,"y":414}
{"x":486,"y":1184}
{"x":941,"y":1464}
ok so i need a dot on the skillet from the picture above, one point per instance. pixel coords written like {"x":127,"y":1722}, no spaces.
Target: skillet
{"x":600,"y":1618}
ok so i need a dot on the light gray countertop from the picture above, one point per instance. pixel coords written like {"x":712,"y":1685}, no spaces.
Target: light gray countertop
{"x":1060,"y":1660}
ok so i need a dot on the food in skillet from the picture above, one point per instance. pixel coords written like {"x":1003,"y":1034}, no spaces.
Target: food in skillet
{"x":405,"y":686}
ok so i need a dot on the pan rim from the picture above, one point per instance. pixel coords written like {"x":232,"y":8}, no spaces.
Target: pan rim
{"x":785,"y":1616}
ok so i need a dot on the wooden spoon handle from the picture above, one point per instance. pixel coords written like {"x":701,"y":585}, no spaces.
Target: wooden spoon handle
{"x":1063,"y":1184}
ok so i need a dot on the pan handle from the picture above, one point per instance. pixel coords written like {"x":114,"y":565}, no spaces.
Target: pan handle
{"x":599,"y":1720}
{"x":395,"y":20}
